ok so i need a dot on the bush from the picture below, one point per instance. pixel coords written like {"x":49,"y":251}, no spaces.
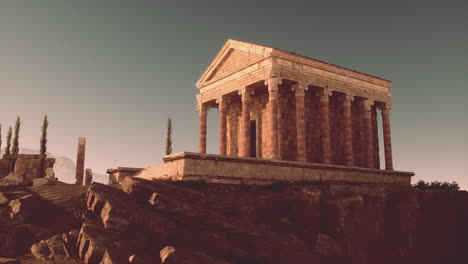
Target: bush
{"x":436,"y":185}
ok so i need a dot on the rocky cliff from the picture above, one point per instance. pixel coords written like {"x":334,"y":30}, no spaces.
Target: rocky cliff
{"x":172,"y":222}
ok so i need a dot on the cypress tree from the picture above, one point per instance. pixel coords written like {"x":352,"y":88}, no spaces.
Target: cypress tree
{"x":168,"y":137}
{"x":45,"y":124}
{"x":15,"y":146}
{"x":8,"y":141}
{"x":0,"y":138}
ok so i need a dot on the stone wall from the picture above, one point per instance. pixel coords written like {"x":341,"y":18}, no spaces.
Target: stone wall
{"x":116,"y":175}
{"x":188,"y":166}
{"x":29,"y":166}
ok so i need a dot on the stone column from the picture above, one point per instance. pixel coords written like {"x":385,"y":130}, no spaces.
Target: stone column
{"x":202,"y":111}
{"x":375,"y":137}
{"x":299,"y":92}
{"x":80,"y":159}
{"x":244,"y":150}
{"x":325,"y":125}
{"x":369,"y":143}
{"x":273,"y":84}
{"x":348,"y":130}
{"x":222,"y":125}
{"x":386,"y":136}
{"x":88,"y":177}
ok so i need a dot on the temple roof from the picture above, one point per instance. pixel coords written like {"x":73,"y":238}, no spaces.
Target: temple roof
{"x":236,"y":55}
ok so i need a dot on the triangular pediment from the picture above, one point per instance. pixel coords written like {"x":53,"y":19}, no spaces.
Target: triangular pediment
{"x":233,"y":56}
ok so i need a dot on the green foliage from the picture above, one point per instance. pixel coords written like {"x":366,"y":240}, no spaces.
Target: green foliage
{"x":8,"y":141}
{"x":15,"y":146}
{"x":168,"y":137}
{"x":45,"y":124}
{"x":436,"y":185}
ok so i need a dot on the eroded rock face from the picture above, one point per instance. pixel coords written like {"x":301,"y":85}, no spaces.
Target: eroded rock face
{"x":158,"y":222}
{"x":57,"y":247}
{"x":31,"y":214}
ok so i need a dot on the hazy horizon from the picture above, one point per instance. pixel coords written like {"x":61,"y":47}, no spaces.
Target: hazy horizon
{"x":114,"y":71}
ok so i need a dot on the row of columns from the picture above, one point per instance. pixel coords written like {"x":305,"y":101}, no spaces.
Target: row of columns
{"x":299,"y":91}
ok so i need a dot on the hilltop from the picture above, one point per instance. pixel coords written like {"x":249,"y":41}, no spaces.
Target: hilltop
{"x":174,"y":222}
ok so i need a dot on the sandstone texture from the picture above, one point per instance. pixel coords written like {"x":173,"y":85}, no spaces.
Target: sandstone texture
{"x":140,"y":221}
{"x":279,"y":105}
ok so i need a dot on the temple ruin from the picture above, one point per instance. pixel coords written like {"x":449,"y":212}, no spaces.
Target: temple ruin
{"x":286,"y":117}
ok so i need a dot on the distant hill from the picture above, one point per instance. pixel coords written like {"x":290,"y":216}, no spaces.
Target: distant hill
{"x":65,"y":168}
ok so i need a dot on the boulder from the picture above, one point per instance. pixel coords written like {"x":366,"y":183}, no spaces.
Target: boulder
{"x":12,"y":179}
{"x":114,"y":216}
{"x":43,"y":181}
{"x":98,"y":245}
{"x":41,"y":250}
{"x":57,"y":247}
{"x":49,"y":173}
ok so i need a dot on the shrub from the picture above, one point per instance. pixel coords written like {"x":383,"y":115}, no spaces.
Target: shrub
{"x":436,"y":185}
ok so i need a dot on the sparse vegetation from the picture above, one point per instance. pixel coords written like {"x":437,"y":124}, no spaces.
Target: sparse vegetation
{"x":168,"y":137}
{"x":15,"y":146}
{"x":45,"y":124}
{"x":8,"y":141}
{"x":436,"y":185}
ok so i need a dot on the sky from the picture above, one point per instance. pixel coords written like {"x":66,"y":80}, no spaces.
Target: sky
{"x":114,"y":71}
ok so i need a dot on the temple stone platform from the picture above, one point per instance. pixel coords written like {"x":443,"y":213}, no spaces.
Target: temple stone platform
{"x":188,"y":166}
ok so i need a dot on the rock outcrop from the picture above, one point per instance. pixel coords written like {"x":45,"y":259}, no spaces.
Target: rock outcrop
{"x":143,"y":222}
{"x":57,"y":247}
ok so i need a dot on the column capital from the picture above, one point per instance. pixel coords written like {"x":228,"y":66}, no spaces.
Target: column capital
{"x":385,"y":108}
{"x":222,"y":101}
{"x":324,"y":94}
{"x":246,"y":93}
{"x":367,"y":103}
{"x":273,"y":83}
{"x":202,"y":107}
{"x":299,"y":88}
{"x":346,"y":99}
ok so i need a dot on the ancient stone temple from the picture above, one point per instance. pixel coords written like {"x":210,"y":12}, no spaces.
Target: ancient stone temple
{"x":286,"y":117}
{"x":279,"y":105}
